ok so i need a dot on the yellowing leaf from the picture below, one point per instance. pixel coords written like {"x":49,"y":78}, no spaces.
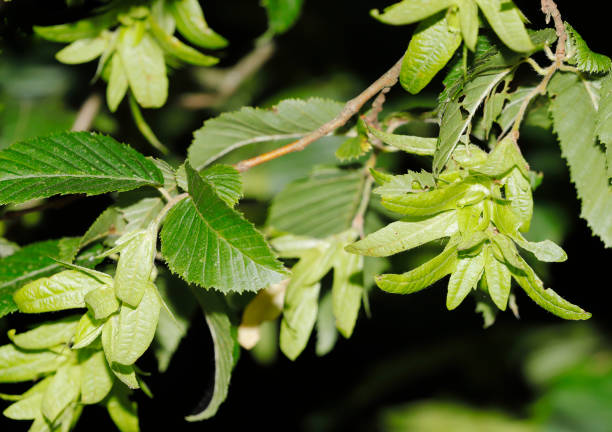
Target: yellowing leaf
{"x":431,"y":47}
{"x":422,"y":276}
{"x":464,"y":279}
{"x":96,"y":378}
{"x":136,"y":327}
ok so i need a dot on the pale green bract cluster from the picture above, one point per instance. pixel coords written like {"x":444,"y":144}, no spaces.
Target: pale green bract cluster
{"x":80,"y":358}
{"x":481,"y":204}
{"x":134,"y":42}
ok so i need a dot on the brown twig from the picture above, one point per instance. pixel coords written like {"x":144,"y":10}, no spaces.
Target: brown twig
{"x":550,"y":9}
{"x":351,"y":108}
{"x":230,"y":79}
{"x":87,"y":113}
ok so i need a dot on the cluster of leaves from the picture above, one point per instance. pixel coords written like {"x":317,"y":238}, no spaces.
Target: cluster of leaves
{"x":481,"y":203}
{"x":446,"y":23}
{"x":134,"y":43}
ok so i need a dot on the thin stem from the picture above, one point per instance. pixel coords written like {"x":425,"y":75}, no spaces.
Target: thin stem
{"x":144,"y":128}
{"x":535,"y":66}
{"x":171,"y":203}
{"x":87,"y":113}
{"x":352,"y":107}
{"x":359,"y":219}
{"x":550,"y":9}
{"x":164,"y":193}
{"x":228,"y":81}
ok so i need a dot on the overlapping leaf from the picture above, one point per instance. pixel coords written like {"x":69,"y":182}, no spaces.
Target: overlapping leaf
{"x":581,"y":55}
{"x":291,"y":119}
{"x":224,"y":340}
{"x":574,"y":117}
{"x":319,"y":206}
{"x":72,"y":162}
{"x":210,"y":244}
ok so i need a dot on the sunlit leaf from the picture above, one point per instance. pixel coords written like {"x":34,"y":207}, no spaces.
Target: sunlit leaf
{"x":210,"y":244}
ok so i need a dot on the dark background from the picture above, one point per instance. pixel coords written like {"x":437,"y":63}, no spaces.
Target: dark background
{"x":412,"y":348}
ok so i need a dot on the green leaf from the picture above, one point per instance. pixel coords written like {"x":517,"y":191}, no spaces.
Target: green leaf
{"x":464,"y":279}
{"x":85,"y":28}
{"x":458,"y":114}
{"x":173,"y":46}
{"x":327,"y":334}
{"x":468,"y":17}
{"x":82,"y":50}
{"x":512,"y":107}
{"x":498,"y":279}
{"x":319,"y":206}
{"x":301,"y":298}
{"x":546,"y":250}
{"x":353,"y":148}
{"x":574,"y":118}
{"x":580,"y":54}
{"x":109,"y":223}
{"x":603,"y":127}
{"x":224,"y":340}
{"x":291,"y":119}
{"x":546,"y":298}
{"x":422,"y":276}
{"x":88,"y":329}
{"x":136,"y":327}
{"x":505,"y":19}
{"x":192,"y":25}
{"x":117,"y":83}
{"x":505,"y":249}
{"x":71,"y":162}
{"x":31,"y":262}
{"x":226,"y":181}
{"x":125,"y":373}
{"x":64,"y":388}
{"x":408,"y":143}
{"x":102,"y":302}
{"x":299,"y":317}
{"x":518,"y":191}
{"x":431,"y":47}
{"x":46,"y":335}
{"x":347,"y":291}
{"x":410,"y":11}
{"x":122,"y":411}
{"x":96,"y":379}
{"x":135,"y":265}
{"x":27,"y":408}
{"x":504,"y":157}
{"x":144,"y":65}
{"x":282,"y":14}
{"x":403,"y":235}
{"x":140,"y":214}
{"x":427,"y":203}
{"x":65,"y":290}
{"x":173,"y":325}
{"x":209,"y":244}
{"x":17,"y":365}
